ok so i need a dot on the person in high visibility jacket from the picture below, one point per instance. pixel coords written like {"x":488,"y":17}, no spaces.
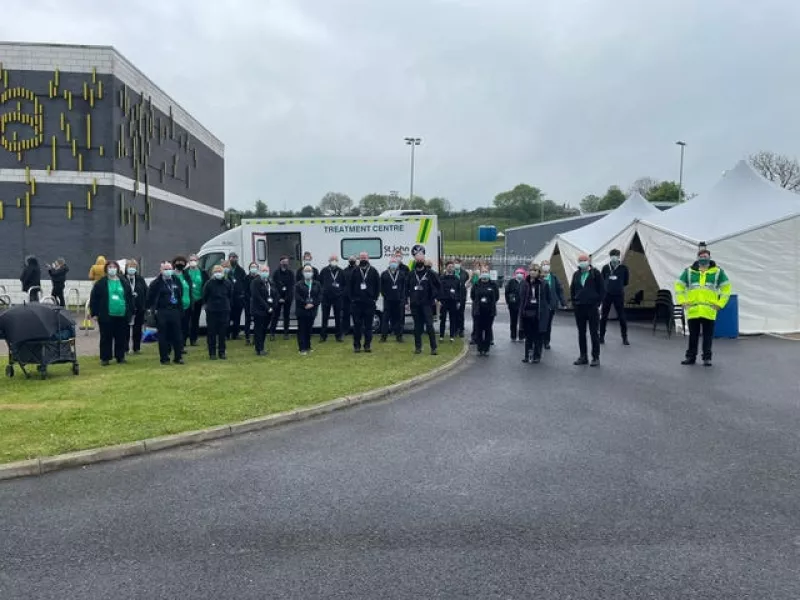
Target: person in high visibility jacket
{"x":703,"y":289}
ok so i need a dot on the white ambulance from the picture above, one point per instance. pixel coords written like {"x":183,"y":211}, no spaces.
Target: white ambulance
{"x":264,"y":241}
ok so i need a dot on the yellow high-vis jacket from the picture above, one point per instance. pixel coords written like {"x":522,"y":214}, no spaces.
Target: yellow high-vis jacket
{"x":704,"y":292}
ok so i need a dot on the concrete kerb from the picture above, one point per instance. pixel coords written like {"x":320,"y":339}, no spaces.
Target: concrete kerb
{"x":40,"y":466}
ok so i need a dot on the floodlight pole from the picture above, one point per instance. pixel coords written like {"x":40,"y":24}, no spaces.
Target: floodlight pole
{"x":413,"y":142}
{"x":680,"y":176}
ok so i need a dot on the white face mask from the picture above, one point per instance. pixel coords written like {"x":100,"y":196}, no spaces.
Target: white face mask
{"x":131,"y":271}
{"x":520,"y":276}
{"x":112,"y":272}
{"x":545,"y":268}
{"x":192,"y":264}
{"x":334,"y":263}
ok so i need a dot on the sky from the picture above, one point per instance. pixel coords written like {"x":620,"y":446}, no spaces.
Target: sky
{"x":571,"y":96}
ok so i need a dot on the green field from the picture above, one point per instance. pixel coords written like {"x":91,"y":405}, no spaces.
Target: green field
{"x":465,"y":228}
{"x":142,"y":399}
{"x":460,"y":248}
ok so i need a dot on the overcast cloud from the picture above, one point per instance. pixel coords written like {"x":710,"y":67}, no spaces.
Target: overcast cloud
{"x":312,"y":96}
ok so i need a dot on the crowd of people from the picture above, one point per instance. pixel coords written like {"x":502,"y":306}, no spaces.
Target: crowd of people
{"x":122,"y":303}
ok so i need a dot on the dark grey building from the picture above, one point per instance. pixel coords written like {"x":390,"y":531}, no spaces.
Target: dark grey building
{"x":97,"y":160}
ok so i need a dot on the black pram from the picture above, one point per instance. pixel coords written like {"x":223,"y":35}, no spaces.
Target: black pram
{"x":38,"y":334}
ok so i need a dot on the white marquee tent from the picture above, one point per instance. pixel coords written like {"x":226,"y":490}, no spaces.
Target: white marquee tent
{"x":615,"y":230}
{"x":752,"y":228}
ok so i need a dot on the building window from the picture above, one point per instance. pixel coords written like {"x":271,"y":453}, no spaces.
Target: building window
{"x":261,"y":251}
{"x":353,"y":247}
{"x":208,"y":261}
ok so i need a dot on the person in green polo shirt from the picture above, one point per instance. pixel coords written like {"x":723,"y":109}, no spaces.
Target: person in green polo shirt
{"x":198,"y":278}
{"x":111,"y":305}
{"x":179,"y":262}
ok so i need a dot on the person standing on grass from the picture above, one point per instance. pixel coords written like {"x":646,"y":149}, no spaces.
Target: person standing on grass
{"x":111,"y":305}
{"x":165,"y":297}
{"x":402,"y":268}
{"x":284,"y":281}
{"x":263,"y":302}
{"x":238,"y":277}
{"x":484,"y":295}
{"x":586,"y":292}
{"x":308,"y":261}
{"x":58,"y":278}
{"x":252,"y":275}
{"x":393,"y":290}
{"x":217,"y":298}
{"x":31,"y":278}
{"x":450,"y":301}
{"x":308,"y":295}
{"x":513,"y":294}
{"x":463,"y":277}
{"x":365,"y":287}
{"x":198,"y":278}
{"x":534,"y":309}
{"x":703,"y":289}
{"x":333,"y":286}
{"x":556,"y":299}
{"x":422,"y":288}
{"x":615,"y":276}
{"x":139,"y":293}
{"x":347,"y":309}
{"x":179,"y":262}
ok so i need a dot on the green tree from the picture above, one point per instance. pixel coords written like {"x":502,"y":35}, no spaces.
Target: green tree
{"x":335,"y":203}
{"x":373,"y":204}
{"x":261,"y":211}
{"x":666,"y":191}
{"x":309,"y":211}
{"x":614,"y":197}
{"x":439,"y":206}
{"x":590,"y":203}
{"x":417,"y":203}
{"x":523,"y":202}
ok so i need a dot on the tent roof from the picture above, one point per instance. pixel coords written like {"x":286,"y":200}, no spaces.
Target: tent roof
{"x":591,"y":237}
{"x":739,"y":202}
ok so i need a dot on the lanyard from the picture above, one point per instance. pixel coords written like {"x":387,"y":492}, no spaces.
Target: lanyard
{"x":310,"y":285}
{"x":334,"y":275}
{"x":393,"y":277}
{"x":364,"y":273}
{"x":419,"y":281}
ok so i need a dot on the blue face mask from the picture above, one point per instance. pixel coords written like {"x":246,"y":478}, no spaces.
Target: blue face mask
{"x":393,"y":266}
{"x":704,"y":261}
{"x":168,"y":273}
{"x":307,"y":276}
{"x":219,"y":275}
{"x":226,"y":270}
{"x":583,"y":265}
{"x":264,"y":275}
{"x":615,"y":260}
{"x":485,"y":276}
{"x":131,"y":271}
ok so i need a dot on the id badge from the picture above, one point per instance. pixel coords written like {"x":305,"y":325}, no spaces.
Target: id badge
{"x":115,"y":297}
{"x":418,"y":288}
{"x":452,"y":290}
{"x":484,"y":300}
{"x":394,"y":287}
{"x":613,"y":278}
{"x":336,"y":285}
{"x":363,"y":286}
{"x":270,"y":300}
{"x":283,"y":289}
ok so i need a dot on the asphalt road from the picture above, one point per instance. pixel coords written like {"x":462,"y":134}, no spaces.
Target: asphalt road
{"x":640,"y":479}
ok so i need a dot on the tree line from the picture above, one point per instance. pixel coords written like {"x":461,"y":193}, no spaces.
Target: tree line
{"x":524,"y":203}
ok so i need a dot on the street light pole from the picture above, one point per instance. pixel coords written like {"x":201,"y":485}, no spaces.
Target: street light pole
{"x":412,"y":141}
{"x":680,"y":176}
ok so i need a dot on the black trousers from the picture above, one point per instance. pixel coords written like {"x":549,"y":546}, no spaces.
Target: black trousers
{"x":513,"y":313}
{"x":134,"y":337}
{"x":112,"y":338}
{"x":549,"y":330}
{"x":33,"y":295}
{"x":347,"y":316}
{"x":284,"y":310}
{"x":217,"y":326}
{"x":484,"y":334}
{"x":186,"y":322}
{"x":237,"y":306}
{"x":533,"y":337}
{"x":194,"y":321}
{"x":695,"y":327}
{"x":328,"y":305}
{"x":449,"y":310}
{"x":393,"y":317}
{"x":363,"y":315}
{"x":58,"y":294}
{"x":260,"y":325}
{"x":305,"y":322}
{"x":618,"y":302}
{"x":247,"y":319}
{"x":461,"y":316}
{"x":170,"y":334}
{"x":423,"y":320}
{"x":586,"y":317}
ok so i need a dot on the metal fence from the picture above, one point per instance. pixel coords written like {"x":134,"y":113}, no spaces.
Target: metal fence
{"x":504,"y":264}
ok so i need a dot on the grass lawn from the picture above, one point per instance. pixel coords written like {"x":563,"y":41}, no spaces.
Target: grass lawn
{"x":142,"y":399}
{"x":466,"y":248}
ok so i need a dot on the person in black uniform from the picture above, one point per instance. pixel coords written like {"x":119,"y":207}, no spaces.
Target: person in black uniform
{"x":332,"y":279}
{"x":450,"y":300}
{"x":586,"y":292}
{"x":393,"y":290}
{"x":179,"y":263}
{"x":616,"y":277}
{"x":111,"y":304}
{"x":284,"y":281}
{"x":402,"y":268}
{"x":31,"y":278}
{"x":513,"y":294}
{"x":139,"y":293}
{"x":365,"y":286}
{"x":252,"y":275}
{"x":422,"y":288}
{"x":263,"y":302}
{"x":58,"y":278}
{"x":307,"y":262}
{"x":484,"y":295}
{"x":534,"y":309}
{"x":164,"y":297}
{"x":464,"y":278}
{"x":217,"y":298}
{"x":308,"y":295}
{"x":347,"y":312}
{"x":238,"y":279}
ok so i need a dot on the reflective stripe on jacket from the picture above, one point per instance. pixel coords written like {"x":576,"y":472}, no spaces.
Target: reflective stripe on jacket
{"x":704,"y":291}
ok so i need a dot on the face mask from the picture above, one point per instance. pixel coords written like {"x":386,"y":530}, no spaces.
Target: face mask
{"x":192,"y":264}
{"x":180,"y":266}
{"x":420,"y":266}
{"x":334,"y":263}
{"x":219,"y":275}
{"x":451,"y":270}
{"x":131,"y":271}
{"x":112,"y":272}
{"x":234,"y":262}
{"x":393,"y":266}
{"x":363,"y":263}
{"x":352,"y":263}
{"x":545,"y":268}
{"x":284,"y":265}
{"x":485,"y":276}
{"x":253,"y":270}
{"x":583,"y":265}
{"x":458,"y":268}
{"x":264,"y":274}
{"x":226,"y":270}
{"x":168,"y":273}
{"x":307,"y":262}
{"x":520,"y":276}
{"x":307,"y":276}
{"x":704,"y":261}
